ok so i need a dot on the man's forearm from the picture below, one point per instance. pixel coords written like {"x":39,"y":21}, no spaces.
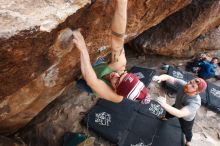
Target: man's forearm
{"x":179,"y":113}
{"x":172,"y":110}
{"x":118,"y":28}
{"x":119,"y":21}
{"x":167,"y":78}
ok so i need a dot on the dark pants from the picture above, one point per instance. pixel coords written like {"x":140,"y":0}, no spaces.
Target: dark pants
{"x":83,"y":87}
{"x":186,"y":126}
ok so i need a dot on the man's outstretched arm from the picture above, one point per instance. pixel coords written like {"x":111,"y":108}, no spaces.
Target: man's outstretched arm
{"x":164,"y":77}
{"x":89,"y":75}
{"x":118,"y":28}
{"x":179,"y":113}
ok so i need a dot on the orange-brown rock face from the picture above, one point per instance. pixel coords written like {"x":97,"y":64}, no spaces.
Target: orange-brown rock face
{"x":208,"y":41}
{"x":4,"y":141}
{"x":35,"y":67}
{"x":173,"y":36}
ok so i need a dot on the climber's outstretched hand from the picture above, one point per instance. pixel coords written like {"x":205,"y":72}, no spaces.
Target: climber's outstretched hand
{"x":78,"y":40}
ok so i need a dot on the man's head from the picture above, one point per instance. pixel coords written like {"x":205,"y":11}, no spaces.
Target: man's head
{"x":214,"y":60}
{"x":128,"y":85}
{"x":203,"y":56}
{"x":195,"y":86}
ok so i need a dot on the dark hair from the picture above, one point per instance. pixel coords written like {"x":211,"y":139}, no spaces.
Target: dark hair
{"x":215,"y":58}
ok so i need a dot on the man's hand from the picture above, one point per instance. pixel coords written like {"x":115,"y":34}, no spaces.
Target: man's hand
{"x":161,"y":100}
{"x":164,"y":77}
{"x":79,"y":40}
{"x":157,"y":79}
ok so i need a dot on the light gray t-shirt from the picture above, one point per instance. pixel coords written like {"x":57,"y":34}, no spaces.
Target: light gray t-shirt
{"x":193,"y":103}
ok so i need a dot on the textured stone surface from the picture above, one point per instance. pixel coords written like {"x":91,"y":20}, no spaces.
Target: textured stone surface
{"x":5,"y":141}
{"x":20,"y":15}
{"x":207,"y":41}
{"x":34,"y":70}
{"x":173,"y":36}
{"x":21,"y":106}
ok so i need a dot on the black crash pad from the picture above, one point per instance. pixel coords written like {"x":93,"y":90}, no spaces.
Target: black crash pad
{"x":144,"y":74}
{"x":179,"y":74}
{"x":213,"y":97}
{"x":130,"y":123}
{"x":174,"y":72}
{"x":166,"y":133}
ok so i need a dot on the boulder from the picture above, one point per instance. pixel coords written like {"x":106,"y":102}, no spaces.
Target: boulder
{"x":36,"y":62}
{"x":5,"y":141}
{"x":207,"y":42}
{"x":174,"y":34}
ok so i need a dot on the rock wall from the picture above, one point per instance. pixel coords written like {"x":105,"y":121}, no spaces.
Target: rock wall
{"x":173,"y":36}
{"x":36,"y":62}
{"x":21,"y":15}
{"x":208,"y":41}
{"x":5,"y":141}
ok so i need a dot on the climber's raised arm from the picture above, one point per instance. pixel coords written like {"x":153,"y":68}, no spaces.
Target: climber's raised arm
{"x":99,"y":86}
{"x":118,"y":29}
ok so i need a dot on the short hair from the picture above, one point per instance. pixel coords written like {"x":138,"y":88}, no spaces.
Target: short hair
{"x":215,"y":58}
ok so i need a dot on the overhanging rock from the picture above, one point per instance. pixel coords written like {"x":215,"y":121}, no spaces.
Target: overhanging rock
{"x":174,"y":34}
{"x":34,"y":70}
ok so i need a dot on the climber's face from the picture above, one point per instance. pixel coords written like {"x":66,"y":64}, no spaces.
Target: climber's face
{"x":116,"y":79}
{"x":191,"y":88}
